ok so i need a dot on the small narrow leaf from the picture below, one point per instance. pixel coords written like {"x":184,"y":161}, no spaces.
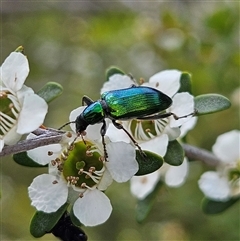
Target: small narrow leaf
{"x":112,"y":71}
{"x":19,"y":49}
{"x":24,"y":160}
{"x":175,"y":153}
{"x":50,"y":91}
{"x":185,"y":83}
{"x":214,"y":207}
{"x":210,"y":103}
{"x":148,"y":163}
{"x":145,"y":206}
{"x":43,"y":223}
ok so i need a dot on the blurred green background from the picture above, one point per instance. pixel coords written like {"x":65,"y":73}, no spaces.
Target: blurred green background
{"x":73,"y":43}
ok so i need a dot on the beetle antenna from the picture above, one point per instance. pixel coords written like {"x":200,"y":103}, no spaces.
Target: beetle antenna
{"x":68,"y":123}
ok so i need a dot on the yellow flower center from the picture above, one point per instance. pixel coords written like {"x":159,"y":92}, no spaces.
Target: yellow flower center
{"x":83,"y":166}
{"x":147,"y":129}
{"x":9,"y":109}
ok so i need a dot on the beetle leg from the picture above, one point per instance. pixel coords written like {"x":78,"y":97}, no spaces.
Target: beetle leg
{"x":103,"y":132}
{"x":86,"y":100}
{"x":161,"y":116}
{"x":155,"y":117}
{"x":120,"y":127}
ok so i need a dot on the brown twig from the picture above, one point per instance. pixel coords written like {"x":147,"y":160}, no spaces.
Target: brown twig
{"x":44,"y":137}
{"x":200,"y":154}
{"x":52,"y":136}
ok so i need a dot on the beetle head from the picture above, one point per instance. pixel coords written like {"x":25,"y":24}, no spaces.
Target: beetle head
{"x":81,"y":124}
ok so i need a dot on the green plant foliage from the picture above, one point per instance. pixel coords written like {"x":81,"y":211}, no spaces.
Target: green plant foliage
{"x":43,"y":223}
{"x":145,"y":205}
{"x":175,"y":153}
{"x":222,"y":21}
{"x":50,"y":91}
{"x":74,"y":48}
{"x":24,"y":160}
{"x":214,"y":207}
{"x":74,"y":220}
{"x":19,"y":49}
{"x":148,"y":163}
{"x":112,"y":71}
{"x":210,"y":103}
{"x":186,"y":83}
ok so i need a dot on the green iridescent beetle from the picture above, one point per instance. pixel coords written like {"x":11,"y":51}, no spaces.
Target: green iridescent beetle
{"x":135,"y":102}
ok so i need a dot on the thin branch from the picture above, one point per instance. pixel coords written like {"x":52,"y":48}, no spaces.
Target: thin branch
{"x":200,"y":154}
{"x":51,"y":136}
{"x":44,"y":137}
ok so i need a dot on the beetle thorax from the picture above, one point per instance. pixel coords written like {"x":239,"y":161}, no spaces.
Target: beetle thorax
{"x":91,"y":115}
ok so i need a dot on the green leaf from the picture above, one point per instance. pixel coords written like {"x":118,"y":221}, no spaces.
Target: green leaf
{"x":74,"y":219}
{"x":145,"y":205}
{"x":210,"y":103}
{"x":214,"y":207}
{"x":185,"y":83}
{"x":148,"y":163}
{"x":175,"y":153}
{"x":222,"y":21}
{"x":50,"y":91}
{"x":43,"y":223}
{"x":24,"y":160}
{"x":19,"y":49}
{"x":112,"y":71}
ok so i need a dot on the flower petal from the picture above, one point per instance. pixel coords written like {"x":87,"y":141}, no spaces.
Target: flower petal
{"x":117,"y":81}
{"x":47,"y":196}
{"x":213,"y":186}
{"x":93,"y":208}
{"x":12,"y":137}
{"x":168,"y":81}
{"x":235,"y":188}
{"x":41,"y":154}
{"x":116,"y":135}
{"x":183,"y":104}
{"x":141,"y":186}
{"x":105,"y":181}
{"x":227,"y":146}
{"x":93,"y":132}
{"x":121,"y":161}
{"x":74,"y":114}
{"x":173,"y":133}
{"x":157,"y":145}
{"x":21,"y":94}
{"x":175,"y":176}
{"x":187,"y":126}
{"x":32,"y":114}
{"x":14,"y":71}
{"x":1,"y":144}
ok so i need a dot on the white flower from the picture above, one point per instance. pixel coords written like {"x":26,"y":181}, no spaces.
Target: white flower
{"x":173,"y":176}
{"x":21,"y":110}
{"x":154,"y":135}
{"x":224,"y":183}
{"x":80,"y":175}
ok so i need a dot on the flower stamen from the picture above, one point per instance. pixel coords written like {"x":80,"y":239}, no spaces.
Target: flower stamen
{"x":85,"y":186}
{"x":15,"y":102}
{"x":72,"y":180}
